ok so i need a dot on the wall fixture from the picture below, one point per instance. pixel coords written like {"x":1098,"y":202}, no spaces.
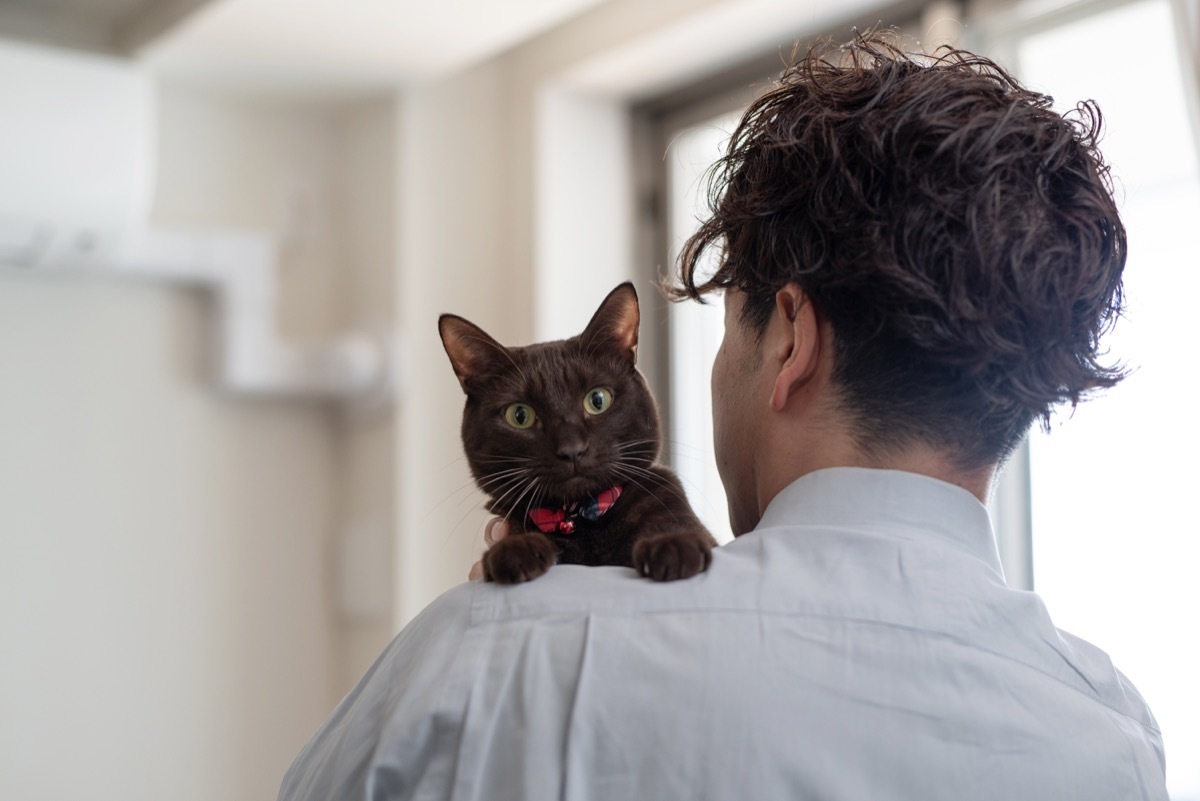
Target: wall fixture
{"x":239,"y":269}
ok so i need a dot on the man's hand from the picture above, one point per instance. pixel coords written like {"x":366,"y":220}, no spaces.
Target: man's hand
{"x":496,"y":530}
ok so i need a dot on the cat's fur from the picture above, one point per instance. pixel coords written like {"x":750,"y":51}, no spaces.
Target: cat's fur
{"x":570,"y":454}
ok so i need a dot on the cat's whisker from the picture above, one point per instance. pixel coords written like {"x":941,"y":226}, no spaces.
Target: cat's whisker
{"x":699,"y":492}
{"x":696,"y":454}
{"x":516,"y":484}
{"x":653,"y":477}
{"x":470,"y":485}
{"x":528,"y":488}
{"x":630,"y":478}
{"x":650,"y":478}
{"x":501,"y":475}
{"x":666,"y":485}
{"x":532,"y":498}
{"x":641,"y":444}
{"x":451,"y":463}
{"x":506,"y":475}
{"x":644,"y":453}
{"x":640,"y":468}
{"x":681,"y":457}
{"x":687,"y":443}
{"x":500,"y":501}
{"x":503,"y":459}
{"x":497,"y":481}
{"x":509,"y":471}
{"x":695,"y":487}
{"x":474,"y":508}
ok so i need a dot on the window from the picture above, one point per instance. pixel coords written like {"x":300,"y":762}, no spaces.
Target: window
{"x":695,"y":330}
{"x":1115,"y":541}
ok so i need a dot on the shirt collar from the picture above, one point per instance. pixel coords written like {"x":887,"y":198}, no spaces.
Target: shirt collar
{"x":909,"y":506}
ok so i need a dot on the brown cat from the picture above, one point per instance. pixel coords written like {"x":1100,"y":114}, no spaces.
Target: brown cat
{"x":564,"y":439}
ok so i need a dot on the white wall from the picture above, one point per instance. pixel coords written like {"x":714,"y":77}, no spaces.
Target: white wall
{"x":164,"y":612}
{"x":584,"y":207}
{"x":365,"y":192}
{"x":455,"y":229}
{"x":321,"y":177}
{"x":172,"y":620}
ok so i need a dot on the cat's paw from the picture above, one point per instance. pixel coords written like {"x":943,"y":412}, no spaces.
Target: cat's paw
{"x":669,"y":557}
{"x":522,"y":557}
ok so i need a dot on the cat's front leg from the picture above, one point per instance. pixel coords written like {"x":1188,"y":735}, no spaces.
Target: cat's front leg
{"x":674,"y":555}
{"x":519,"y":558}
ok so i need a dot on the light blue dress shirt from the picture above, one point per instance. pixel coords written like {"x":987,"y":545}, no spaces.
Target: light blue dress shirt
{"x":859,"y":644}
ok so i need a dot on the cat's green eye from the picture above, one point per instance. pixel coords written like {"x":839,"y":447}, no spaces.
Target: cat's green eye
{"x":520,"y":415}
{"x":597,"y":400}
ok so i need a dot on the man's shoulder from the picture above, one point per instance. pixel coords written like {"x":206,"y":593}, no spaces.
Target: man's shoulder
{"x":1109,"y":685}
{"x":571,"y":592}
{"x":577,"y":592}
{"x":574,"y":591}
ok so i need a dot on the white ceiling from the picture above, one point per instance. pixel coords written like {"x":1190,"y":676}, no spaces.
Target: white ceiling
{"x":346,"y":44}
{"x":335,"y":47}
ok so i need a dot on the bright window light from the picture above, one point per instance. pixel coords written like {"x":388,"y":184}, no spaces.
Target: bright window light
{"x":696,"y":330}
{"x":1115,"y":540}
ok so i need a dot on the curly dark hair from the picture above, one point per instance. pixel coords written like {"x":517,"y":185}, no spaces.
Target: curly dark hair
{"x":959,"y":236}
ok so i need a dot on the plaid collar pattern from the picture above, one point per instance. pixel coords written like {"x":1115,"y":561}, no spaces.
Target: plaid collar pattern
{"x":561,"y":519}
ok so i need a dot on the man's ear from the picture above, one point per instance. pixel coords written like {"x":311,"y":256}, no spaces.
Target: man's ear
{"x":796,"y":343}
{"x":615,"y":323}
{"x":471,"y":351}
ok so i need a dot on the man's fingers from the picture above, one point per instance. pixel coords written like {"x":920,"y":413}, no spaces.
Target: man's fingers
{"x":496,"y":530}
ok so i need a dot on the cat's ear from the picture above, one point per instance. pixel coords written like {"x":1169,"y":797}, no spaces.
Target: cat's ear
{"x":615,"y":323}
{"x":472,"y":352}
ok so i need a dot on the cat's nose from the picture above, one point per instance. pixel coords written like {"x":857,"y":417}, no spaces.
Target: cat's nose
{"x":572,"y":451}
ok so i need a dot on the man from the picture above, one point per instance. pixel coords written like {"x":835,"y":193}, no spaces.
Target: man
{"x":918,"y":259}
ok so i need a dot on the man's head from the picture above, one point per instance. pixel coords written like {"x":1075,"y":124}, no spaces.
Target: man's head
{"x":955,"y":237}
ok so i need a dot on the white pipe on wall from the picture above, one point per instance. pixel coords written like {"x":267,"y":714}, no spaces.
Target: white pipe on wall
{"x":240,"y":271}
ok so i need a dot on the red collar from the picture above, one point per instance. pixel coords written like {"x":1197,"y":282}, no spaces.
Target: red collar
{"x":561,"y":519}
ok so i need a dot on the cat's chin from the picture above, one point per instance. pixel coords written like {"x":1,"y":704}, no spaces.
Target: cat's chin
{"x":580,"y":487}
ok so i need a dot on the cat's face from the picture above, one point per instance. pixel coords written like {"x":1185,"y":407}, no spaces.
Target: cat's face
{"x":556,"y":421}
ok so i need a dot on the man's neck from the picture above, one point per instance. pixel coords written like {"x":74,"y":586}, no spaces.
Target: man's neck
{"x":806,"y":454}
{"x":932,"y":463}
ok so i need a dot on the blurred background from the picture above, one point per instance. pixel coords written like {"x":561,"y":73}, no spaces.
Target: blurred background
{"x":229,"y":460}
